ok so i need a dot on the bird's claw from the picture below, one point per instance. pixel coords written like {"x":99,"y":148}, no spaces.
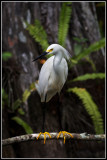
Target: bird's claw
{"x":64,"y":132}
{"x":44,"y":135}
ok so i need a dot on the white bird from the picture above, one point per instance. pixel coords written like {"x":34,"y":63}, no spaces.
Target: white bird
{"x":53,"y":74}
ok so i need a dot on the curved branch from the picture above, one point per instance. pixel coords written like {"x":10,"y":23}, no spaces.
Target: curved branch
{"x":76,"y":136}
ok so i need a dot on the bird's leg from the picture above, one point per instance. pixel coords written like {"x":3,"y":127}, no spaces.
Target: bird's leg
{"x":60,"y":117}
{"x":43,"y":111}
{"x":59,"y":112}
{"x":43,"y":125}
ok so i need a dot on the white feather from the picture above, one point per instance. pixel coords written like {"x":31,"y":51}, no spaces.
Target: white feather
{"x":53,"y":73}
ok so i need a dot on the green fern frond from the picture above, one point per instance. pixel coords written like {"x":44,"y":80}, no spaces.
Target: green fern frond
{"x":25,"y":95}
{"x":91,"y":108}
{"x":64,"y":22}
{"x":23,"y":124}
{"x":92,"y":48}
{"x":89,"y":76}
{"x":38,"y":33}
{"x":91,"y":63}
{"x":5,"y":98}
{"x":16,"y":104}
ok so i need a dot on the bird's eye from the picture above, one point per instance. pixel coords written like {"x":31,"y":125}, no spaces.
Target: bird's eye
{"x":51,"y":50}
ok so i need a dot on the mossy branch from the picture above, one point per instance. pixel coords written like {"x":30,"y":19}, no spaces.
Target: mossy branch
{"x":31,"y":137}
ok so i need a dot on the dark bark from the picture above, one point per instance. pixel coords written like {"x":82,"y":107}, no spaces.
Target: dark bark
{"x":23,"y":72}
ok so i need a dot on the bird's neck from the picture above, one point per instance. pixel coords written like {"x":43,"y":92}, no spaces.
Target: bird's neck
{"x":57,"y":61}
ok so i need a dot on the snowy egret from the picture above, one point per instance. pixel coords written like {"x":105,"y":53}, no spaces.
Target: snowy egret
{"x":53,"y":75}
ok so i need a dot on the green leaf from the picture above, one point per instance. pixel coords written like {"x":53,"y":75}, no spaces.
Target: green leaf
{"x":5,"y":99}
{"x":25,"y":95}
{"x":73,"y":61}
{"x":92,"y":48}
{"x":20,"y":111}
{"x":91,"y":62}
{"x":79,"y":40}
{"x":77,"y":49}
{"x":32,"y":86}
{"x":64,"y":20}
{"x":17,"y":104}
{"x":6,"y":55}
{"x":90,"y":107}
{"x":89,"y":76}
{"x":26,"y":127}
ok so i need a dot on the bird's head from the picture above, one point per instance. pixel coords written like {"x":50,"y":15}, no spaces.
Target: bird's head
{"x":55,"y":49}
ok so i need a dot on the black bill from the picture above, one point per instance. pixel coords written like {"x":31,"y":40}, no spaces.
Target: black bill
{"x":39,"y":57}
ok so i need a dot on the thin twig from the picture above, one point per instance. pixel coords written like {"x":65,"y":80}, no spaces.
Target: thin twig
{"x":76,"y":136}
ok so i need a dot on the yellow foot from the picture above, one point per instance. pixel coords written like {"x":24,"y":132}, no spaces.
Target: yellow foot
{"x":44,"y":136}
{"x":64,"y":132}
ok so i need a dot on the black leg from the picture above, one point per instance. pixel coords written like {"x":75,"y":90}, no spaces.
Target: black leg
{"x":44,"y":110}
{"x":59,"y":112}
